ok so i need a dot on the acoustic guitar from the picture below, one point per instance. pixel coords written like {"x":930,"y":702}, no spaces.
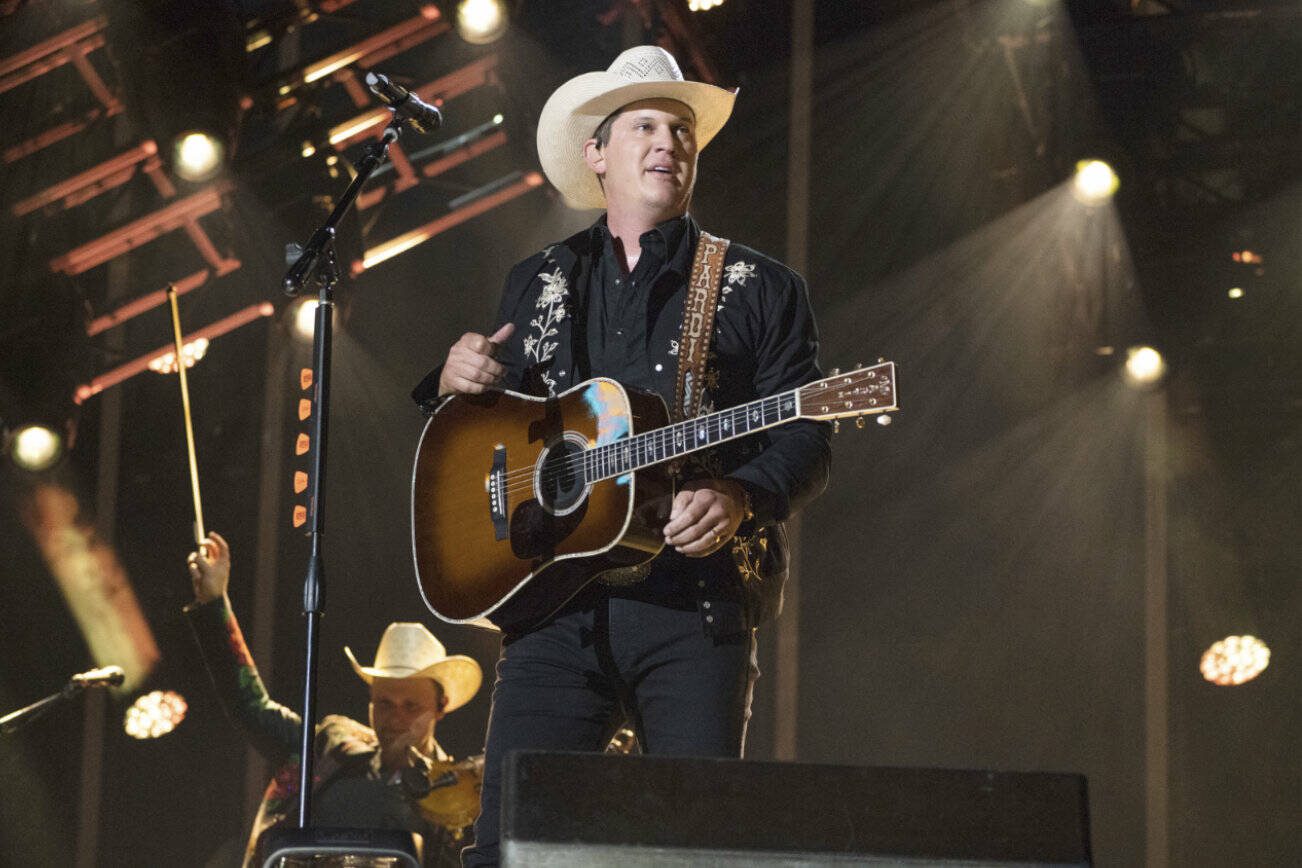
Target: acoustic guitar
{"x":518,"y":502}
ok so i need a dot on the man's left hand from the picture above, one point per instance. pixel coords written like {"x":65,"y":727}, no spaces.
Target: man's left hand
{"x":705,"y":516}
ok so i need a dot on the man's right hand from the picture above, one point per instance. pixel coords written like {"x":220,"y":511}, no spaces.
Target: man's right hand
{"x":470,"y":367}
{"x":210,"y":568}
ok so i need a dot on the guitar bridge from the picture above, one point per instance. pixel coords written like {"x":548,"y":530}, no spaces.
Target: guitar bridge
{"x":497,"y":495}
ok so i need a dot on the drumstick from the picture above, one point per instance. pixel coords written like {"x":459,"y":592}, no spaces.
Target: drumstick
{"x":189,"y":426}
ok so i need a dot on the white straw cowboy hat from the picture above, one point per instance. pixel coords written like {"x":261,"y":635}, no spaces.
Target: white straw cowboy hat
{"x":573,"y":113}
{"x":410,"y":651}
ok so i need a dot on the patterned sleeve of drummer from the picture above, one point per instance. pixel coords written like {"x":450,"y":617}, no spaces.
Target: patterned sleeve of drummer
{"x":271,"y":727}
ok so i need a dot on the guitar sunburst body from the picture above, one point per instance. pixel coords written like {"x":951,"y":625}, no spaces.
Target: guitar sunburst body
{"x":518,"y":502}
{"x":496,"y":500}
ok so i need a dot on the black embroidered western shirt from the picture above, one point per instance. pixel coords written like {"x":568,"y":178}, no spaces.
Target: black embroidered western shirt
{"x":765,"y":343}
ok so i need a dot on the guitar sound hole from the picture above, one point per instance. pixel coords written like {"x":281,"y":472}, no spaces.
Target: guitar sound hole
{"x":558,"y":477}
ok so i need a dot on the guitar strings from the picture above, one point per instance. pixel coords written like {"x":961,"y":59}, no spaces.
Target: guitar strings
{"x":522,"y":478}
{"x":572,"y":463}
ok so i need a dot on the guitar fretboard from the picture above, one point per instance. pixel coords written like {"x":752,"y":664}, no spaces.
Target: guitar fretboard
{"x":609,"y":460}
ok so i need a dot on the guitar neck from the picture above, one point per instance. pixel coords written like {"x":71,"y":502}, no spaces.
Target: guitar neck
{"x":609,"y":460}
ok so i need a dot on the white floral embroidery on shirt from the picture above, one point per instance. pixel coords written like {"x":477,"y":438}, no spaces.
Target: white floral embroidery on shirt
{"x":551,"y":301}
{"x":738,"y":272}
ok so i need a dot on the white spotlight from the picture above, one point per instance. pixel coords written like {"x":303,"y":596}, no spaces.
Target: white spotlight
{"x":155,"y":714}
{"x":481,"y":21}
{"x":191,"y":353}
{"x":703,"y":5}
{"x":1144,"y":366}
{"x":1234,"y":660}
{"x":303,"y":316}
{"x":1095,"y":182}
{"x":36,"y":447}
{"x":198,"y":155}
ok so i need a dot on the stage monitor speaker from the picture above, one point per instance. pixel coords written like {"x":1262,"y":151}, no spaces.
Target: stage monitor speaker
{"x":290,"y":847}
{"x":580,"y":810}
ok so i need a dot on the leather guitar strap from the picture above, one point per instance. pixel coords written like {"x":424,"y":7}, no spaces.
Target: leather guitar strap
{"x":693,"y":351}
{"x":698,"y":325}
{"x":698,"y":328}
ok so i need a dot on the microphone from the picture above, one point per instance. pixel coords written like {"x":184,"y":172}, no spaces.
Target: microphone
{"x":422,"y":116}
{"x":108,"y":676}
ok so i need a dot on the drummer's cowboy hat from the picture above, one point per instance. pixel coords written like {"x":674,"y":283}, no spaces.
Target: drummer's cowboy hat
{"x":411,"y":651}
{"x":573,"y":113}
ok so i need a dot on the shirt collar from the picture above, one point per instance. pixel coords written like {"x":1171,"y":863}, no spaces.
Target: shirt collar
{"x":670,"y":232}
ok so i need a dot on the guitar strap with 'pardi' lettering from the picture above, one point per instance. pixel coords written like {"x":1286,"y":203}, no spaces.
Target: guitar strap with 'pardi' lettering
{"x":758,"y":563}
{"x":698,"y":325}
{"x":693,"y":352}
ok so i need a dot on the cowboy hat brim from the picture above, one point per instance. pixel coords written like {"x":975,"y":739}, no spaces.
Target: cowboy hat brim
{"x":458,"y":675}
{"x":573,"y":113}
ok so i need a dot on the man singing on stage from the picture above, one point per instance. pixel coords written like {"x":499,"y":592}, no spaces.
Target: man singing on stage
{"x":363,"y":773}
{"x":671,"y":648}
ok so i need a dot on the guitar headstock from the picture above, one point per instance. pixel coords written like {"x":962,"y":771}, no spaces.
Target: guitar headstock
{"x":861,"y":392}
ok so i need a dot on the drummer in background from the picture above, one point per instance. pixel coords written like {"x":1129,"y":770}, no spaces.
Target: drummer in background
{"x":366,"y":776}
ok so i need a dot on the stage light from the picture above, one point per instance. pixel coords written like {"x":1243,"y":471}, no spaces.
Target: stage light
{"x":257,"y":39}
{"x":129,"y":369}
{"x":198,"y":155}
{"x":393,"y":247}
{"x":481,"y":21}
{"x":1234,"y":660}
{"x":36,"y":447}
{"x":1236,"y":292}
{"x":191,"y":352}
{"x":460,"y":209}
{"x":303,"y":316}
{"x":1246,"y":257}
{"x":1095,"y":182}
{"x":1144,"y":366}
{"x":155,"y":714}
{"x":703,"y":5}
{"x":308,"y":149}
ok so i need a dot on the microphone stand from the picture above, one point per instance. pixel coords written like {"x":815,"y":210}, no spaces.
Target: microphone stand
{"x":16,"y":720}
{"x":318,"y":261}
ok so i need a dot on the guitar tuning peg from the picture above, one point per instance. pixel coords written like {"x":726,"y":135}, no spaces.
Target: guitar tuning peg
{"x":883,"y":420}
{"x":858,"y":364}
{"x":836,"y":426}
{"x":881,"y":359}
{"x":836,"y":372}
{"x":858,"y":422}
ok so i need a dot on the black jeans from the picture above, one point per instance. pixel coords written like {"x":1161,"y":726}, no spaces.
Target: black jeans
{"x":610,"y":659}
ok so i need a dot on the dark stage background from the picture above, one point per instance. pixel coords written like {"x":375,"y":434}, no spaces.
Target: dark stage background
{"x":974,"y":583}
